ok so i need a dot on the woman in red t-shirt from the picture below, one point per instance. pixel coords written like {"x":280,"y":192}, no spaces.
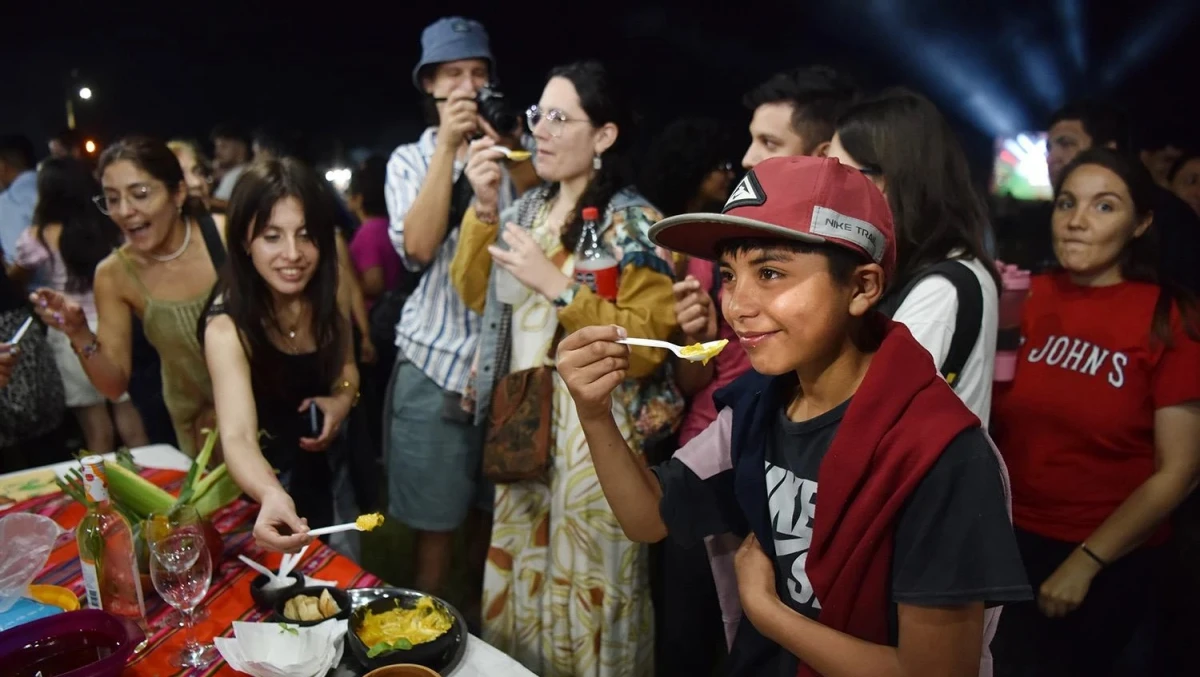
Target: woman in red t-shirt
{"x":1100,"y":427}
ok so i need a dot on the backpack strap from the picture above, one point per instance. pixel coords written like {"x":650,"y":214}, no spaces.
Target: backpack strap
{"x":212,"y":240}
{"x":968,"y":321}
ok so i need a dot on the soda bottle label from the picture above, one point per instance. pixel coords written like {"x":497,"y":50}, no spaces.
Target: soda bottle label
{"x":603,"y":281}
{"x":95,"y":482}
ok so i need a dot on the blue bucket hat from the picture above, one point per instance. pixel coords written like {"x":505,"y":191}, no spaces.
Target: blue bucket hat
{"x":451,"y":39}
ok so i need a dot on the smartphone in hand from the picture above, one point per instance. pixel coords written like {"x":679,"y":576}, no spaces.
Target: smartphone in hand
{"x":316,"y":419}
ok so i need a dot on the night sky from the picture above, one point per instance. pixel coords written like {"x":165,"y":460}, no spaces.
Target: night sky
{"x":342,"y":72}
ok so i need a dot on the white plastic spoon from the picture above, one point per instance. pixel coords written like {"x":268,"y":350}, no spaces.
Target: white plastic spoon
{"x":699,"y":353}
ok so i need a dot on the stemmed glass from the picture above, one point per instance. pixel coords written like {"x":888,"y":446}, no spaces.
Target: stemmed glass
{"x":183,"y":516}
{"x":181,"y":570}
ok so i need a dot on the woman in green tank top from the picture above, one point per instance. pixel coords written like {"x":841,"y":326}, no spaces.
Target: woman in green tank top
{"x":163,"y":273}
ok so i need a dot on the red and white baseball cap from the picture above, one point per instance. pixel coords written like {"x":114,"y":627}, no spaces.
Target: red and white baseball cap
{"x":806,"y":199}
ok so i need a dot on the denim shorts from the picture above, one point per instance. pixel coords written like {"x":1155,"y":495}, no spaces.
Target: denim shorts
{"x":434,"y":452}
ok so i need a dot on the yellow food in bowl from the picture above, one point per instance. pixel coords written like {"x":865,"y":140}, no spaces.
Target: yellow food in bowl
{"x":397,"y":627}
{"x":369,"y":522}
{"x":707,"y":351}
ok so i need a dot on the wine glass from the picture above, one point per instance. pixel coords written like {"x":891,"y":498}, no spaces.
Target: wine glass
{"x":181,"y":570}
{"x":182,"y":517}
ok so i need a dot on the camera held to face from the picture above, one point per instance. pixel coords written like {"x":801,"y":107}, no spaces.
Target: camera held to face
{"x":495,"y":110}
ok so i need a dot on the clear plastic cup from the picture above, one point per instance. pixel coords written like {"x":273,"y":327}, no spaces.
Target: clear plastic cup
{"x":1015,"y":289}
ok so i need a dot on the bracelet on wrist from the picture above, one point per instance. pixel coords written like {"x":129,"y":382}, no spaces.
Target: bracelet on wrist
{"x":488,"y":216}
{"x":345,"y":386}
{"x":1097,"y":558}
{"x":87,"y":351}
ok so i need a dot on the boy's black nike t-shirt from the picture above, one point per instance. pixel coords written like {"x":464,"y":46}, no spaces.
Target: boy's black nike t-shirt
{"x":953,"y":542}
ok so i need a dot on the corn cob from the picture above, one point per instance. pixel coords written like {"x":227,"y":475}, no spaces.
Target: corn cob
{"x":198,"y":466}
{"x":215,"y":491}
{"x":138,"y":495}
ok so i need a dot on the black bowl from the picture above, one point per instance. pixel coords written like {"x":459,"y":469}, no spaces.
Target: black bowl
{"x":436,"y":654}
{"x":339,"y":596}
{"x":265,"y":599}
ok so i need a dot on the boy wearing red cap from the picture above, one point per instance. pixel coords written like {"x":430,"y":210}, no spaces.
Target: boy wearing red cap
{"x":898,"y":563}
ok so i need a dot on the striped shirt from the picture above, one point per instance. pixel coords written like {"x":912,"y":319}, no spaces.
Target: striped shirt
{"x":436,"y":332}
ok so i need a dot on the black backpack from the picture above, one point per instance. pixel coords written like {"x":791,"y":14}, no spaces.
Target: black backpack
{"x":968,"y":321}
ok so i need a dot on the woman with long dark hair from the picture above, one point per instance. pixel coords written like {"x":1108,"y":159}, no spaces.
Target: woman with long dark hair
{"x":69,"y":237}
{"x":564,"y":591}
{"x":279,"y":348}
{"x":1100,"y":426}
{"x":163,"y":274}
{"x":900,"y":139}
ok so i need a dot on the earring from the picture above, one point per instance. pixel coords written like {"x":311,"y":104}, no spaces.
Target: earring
{"x":597,"y":162}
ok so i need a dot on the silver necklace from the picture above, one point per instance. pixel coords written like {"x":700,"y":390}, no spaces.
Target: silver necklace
{"x":187,"y":239}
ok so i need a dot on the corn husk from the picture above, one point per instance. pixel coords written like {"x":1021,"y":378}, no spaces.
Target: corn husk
{"x":137,"y":498}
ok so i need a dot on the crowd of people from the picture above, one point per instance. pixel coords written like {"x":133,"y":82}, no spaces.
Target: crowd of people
{"x":627,"y":511}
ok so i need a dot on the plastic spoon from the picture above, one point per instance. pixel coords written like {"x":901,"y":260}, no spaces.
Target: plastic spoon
{"x":20,"y":331}
{"x":290,"y":561}
{"x":700,"y":352}
{"x":514,"y":155}
{"x":259,"y":568}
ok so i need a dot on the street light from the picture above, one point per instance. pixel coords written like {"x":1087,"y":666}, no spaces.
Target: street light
{"x":90,"y":146}
{"x":84,"y":94}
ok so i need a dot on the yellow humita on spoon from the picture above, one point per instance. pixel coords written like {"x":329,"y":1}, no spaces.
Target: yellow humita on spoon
{"x":704,"y":351}
{"x":519,"y":155}
{"x":369,"y":522}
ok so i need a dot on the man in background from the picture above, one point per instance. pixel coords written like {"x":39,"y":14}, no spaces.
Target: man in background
{"x":796,"y":112}
{"x":66,"y":144}
{"x":231,"y":154}
{"x":18,"y":189}
{"x":433,"y":448}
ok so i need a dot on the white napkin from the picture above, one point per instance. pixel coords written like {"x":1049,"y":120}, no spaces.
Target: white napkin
{"x":268,"y":650}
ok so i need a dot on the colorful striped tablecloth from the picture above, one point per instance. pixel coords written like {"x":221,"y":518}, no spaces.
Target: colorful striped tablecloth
{"x":229,"y":597}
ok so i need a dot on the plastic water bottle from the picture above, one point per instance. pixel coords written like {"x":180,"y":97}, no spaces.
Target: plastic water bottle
{"x":595,"y":265}
{"x":1015,"y":283}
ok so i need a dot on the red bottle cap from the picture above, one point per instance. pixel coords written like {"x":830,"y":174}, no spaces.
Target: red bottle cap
{"x":591,"y":214}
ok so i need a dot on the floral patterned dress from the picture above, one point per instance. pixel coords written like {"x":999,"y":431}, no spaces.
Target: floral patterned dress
{"x":565,"y":592}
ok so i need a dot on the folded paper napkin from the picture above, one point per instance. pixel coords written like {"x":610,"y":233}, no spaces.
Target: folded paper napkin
{"x":283,"y":649}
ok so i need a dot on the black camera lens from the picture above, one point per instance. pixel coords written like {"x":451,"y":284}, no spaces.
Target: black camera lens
{"x":495,"y":110}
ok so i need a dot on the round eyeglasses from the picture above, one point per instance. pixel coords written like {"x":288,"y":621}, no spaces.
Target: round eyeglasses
{"x":555,"y":119}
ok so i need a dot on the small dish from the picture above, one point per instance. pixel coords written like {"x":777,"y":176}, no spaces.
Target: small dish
{"x":404,"y":670}
{"x":266,"y":599}
{"x":339,"y":596}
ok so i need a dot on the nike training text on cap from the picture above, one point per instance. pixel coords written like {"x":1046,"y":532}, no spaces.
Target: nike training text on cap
{"x":805,"y":199}
{"x":451,"y":39}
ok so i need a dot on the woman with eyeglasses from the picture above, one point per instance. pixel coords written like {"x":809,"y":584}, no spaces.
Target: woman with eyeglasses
{"x":162,"y":274}
{"x":565,"y":592}
{"x":68,"y":238}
